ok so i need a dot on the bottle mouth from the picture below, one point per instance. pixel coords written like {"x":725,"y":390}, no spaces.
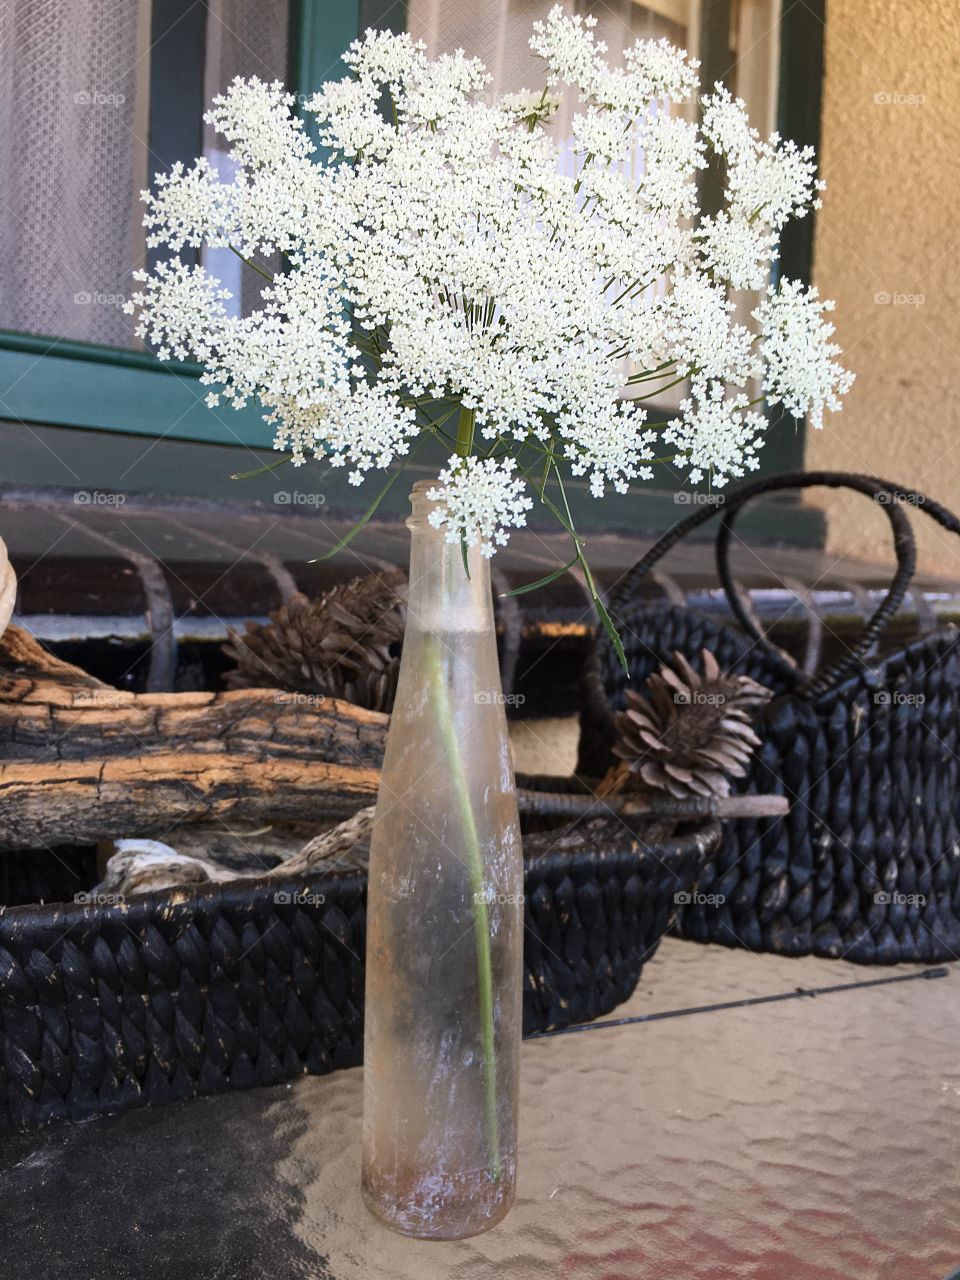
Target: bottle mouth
{"x":421,"y":506}
{"x":443,"y":597}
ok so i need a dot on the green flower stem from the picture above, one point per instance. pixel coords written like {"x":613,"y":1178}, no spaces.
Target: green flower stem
{"x":250,"y":263}
{"x":481,"y":916}
{"x":652,"y":395}
{"x":465,"y":426}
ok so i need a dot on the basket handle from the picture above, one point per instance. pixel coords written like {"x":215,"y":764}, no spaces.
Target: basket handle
{"x":896,"y":495}
{"x":870,"y":486}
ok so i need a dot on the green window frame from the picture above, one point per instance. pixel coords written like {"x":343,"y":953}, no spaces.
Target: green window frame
{"x":63,"y":383}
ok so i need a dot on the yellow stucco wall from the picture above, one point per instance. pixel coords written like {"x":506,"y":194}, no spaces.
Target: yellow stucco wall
{"x":887,"y":249}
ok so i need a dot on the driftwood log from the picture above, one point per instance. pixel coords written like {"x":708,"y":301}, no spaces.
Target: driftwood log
{"x":137,"y":866}
{"x":81,"y":763}
{"x":73,"y":802}
{"x":8,"y":586}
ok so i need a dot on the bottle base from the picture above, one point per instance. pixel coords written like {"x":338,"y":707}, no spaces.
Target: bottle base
{"x":428,"y":1205}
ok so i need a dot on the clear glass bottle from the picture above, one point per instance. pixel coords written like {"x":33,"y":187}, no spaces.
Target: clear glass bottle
{"x":444,"y":917}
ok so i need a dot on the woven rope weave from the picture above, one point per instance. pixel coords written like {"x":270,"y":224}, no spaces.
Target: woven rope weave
{"x":182,"y":993}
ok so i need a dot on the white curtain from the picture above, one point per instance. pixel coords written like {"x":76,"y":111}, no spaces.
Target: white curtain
{"x":72,"y":162}
{"x":74,"y":131}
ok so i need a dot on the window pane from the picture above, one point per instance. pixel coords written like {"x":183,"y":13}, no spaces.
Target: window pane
{"x":244,"y":38}
{"x":498,"y":31}
{"x":75,"y":88}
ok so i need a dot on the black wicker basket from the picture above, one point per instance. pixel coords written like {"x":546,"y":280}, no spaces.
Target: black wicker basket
{"x":866,"y":866}
{"x":180,"y":993}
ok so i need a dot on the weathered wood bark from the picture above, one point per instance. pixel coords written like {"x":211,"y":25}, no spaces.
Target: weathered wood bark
{"x":22,"y":659}
{"x":81,"y":762}
{"x":44,"y":718}
{"x":73,"y":801}
{"x":49,"y":721}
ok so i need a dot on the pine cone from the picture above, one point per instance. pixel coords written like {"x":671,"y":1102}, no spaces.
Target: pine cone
{"x":693,"y":734}
{"x":346,"y":644}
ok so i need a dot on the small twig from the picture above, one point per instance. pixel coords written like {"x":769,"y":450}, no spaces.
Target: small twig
{"x":762,"y":806}
{"x":548,"y":804}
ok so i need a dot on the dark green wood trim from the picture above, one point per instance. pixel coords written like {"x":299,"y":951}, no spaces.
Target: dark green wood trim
{"x":75,"y":459}
{"x":178,"y":47}
{"x":65,"y":348}
{"x":73,"y":392}
{"x":716,"y":63}
{"x":178,"y":37}
{"x":383,"y":15}
{"x":799,"y":88}
{"x":320,"y":31}
{"x":799,"y":104}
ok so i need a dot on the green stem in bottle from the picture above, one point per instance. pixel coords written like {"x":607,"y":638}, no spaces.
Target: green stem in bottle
{"x":481,"y":916}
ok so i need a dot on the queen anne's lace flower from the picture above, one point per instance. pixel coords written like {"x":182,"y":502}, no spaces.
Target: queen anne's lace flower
{"x":796,"y":347}
{"x":768,"y":182}
{"x":190,"y":207}
{"x":255,"y":119}
{"x":741,"y":251}
{"x":182,"y":311}
{"x":441,"y":251}
{"x":715,"y":435}
{"x":610,"y":447}
{"x":661,"y":70}
{"x":607,"y":134}
{"x":571,"y":50}
{"x":477,"y":500}
{"x":365,"y":427}
{"x":701,"y":338}
{"x":673,"y":152}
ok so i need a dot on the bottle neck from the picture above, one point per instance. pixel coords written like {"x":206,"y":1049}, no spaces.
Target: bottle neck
{"x":441,"y":597}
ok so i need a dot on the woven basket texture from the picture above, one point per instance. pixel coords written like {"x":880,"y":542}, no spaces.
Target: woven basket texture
{"x":180,"y":993}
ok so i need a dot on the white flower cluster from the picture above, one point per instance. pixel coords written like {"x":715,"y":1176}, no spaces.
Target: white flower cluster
{"x":439,"y":261}
{"x":654,"y":68}
{"x":478,"y":499}
{"x":714,"y":433}
{"x":800,"y":367}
